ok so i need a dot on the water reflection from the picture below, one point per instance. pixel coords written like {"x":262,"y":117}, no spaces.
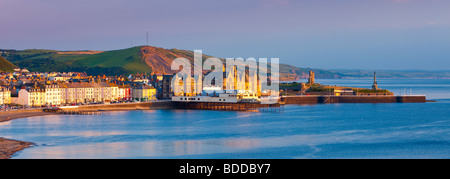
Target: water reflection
{"x":7,"y":123}
{"x":204,"y":148}
{"x":157,"y":149}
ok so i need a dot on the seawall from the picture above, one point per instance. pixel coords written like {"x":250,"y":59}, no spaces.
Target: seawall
{"x":128,"y":106}
{"x":173,"y":105}
{"x":243,"y":106}
{"x":352,"y":99}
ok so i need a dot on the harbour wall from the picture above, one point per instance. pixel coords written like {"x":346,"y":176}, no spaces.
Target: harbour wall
{"x":352,"y":99}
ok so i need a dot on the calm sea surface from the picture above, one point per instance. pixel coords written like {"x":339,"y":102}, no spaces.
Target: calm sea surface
{"x":307,"y":131}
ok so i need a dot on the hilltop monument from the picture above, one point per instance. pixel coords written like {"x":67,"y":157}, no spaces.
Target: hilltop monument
{"x":312,"y":78}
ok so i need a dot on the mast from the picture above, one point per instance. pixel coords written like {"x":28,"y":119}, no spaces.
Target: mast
{"x":147,"y":37}
{"x":374,"y":77}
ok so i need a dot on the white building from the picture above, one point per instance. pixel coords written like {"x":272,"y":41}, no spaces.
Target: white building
{"x":5,"y":96}
{"x":217,"y":94}
{"x":31,"y":97}
{"x":87,"y":92}
{"x":24,"y":97}
{"x":223,"y":98}
{"x":53,"y":94}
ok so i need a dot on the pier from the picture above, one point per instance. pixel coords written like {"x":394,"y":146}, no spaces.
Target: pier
{"x":240,"y":106}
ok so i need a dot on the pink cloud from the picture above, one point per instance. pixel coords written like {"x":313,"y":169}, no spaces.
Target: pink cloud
{"x":430,"y":23}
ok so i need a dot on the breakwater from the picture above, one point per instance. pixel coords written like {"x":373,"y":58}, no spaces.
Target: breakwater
{"x":352,"y":99}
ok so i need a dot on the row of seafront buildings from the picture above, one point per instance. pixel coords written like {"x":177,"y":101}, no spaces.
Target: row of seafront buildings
{"x":76,"y":88}
{"x":82,"y":93}
{"x":37,"y":89}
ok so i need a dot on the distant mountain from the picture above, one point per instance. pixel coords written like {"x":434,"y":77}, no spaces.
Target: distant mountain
{"x":393,"y":74}
{"x":6,"y":66}
{"x":292,"y":73}
{"x":148,"y":59}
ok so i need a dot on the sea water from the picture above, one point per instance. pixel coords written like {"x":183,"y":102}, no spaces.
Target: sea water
{"x":394,"y":130}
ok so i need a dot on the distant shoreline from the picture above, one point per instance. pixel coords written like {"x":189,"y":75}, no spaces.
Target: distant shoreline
{"x":9,"y":147}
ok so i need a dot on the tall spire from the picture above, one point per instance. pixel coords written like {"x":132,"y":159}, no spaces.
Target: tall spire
{"x":147,"y":37}
{"x":374,"y":77}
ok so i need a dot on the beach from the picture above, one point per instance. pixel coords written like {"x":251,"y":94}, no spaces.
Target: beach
{"x":9,"y":147}
{"x":7,"y":116}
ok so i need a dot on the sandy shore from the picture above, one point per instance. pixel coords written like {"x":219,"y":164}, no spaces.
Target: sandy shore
{"x":8,"y":146}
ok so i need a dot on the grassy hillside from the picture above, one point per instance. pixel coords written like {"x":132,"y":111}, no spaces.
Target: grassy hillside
{"x":138,"y":59}
{"x":154,"y":59}
{"x":5,"y":65}
{"x":119,"y":62}
{"x":129,"y":59}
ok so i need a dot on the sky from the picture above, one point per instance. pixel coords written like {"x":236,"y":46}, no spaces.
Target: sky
{"x":325,"y":34}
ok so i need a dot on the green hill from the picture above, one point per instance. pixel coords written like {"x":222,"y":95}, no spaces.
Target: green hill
{"x":149,"y":59}
{"x":138,"y":59}
{"x":6,"y":66}
{"x":117,"y":62}
{"x":129,"y":59}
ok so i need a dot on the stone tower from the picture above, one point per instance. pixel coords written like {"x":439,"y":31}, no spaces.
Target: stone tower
{"x":312,"y":78}
{"x":375,"y":84}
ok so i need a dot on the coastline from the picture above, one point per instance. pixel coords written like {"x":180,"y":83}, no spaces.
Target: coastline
{"x":8,"y":147}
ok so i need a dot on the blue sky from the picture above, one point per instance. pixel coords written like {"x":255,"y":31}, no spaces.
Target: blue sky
{"x":328,"y":34}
